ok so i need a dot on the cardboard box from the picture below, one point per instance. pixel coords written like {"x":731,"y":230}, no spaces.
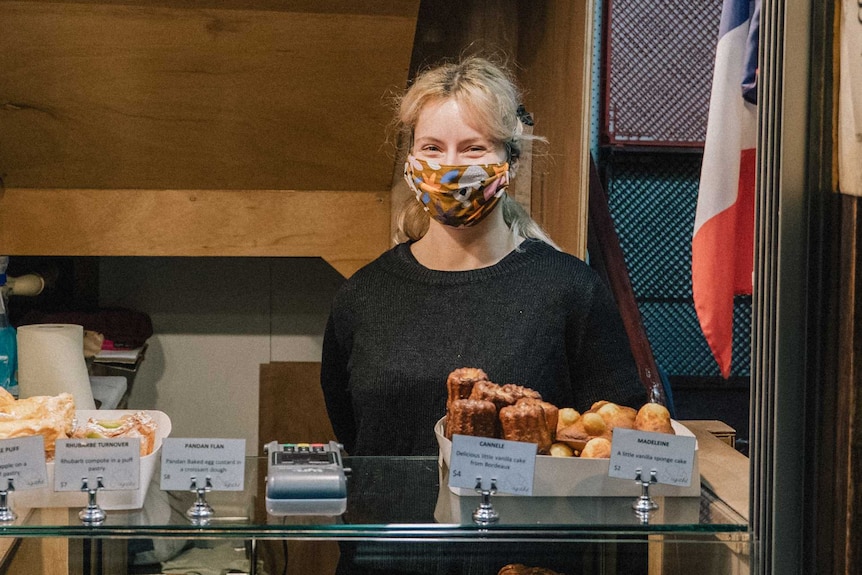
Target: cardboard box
{"x":576,"y":477}
{"x":107,"y":500}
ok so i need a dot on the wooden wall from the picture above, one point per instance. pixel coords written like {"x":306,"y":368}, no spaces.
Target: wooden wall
{"x":548,"y":44}
{"x":554,"y":51}
{"x":258,"y":128}
{"x":841,"y":429}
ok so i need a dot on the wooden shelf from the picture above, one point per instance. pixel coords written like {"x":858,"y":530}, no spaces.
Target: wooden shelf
{"x":182,"y":128}
{"x":347,"y":229}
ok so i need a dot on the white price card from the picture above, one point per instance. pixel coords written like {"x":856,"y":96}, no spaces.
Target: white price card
{"x":114,"y":462}
{"x":671,"y":456}
{"x":509,"y":464}
{"x":23,"y":461}
{"x":220,"y":460}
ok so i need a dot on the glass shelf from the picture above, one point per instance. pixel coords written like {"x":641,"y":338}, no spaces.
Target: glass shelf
{"x":396,"y":498}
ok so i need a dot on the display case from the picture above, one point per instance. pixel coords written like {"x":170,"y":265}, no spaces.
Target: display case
{"x":401,"y":515}
{"x":199,"y":131}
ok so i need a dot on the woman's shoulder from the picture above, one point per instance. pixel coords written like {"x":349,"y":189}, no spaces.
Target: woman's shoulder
{"x":563,"y":277}
{"x":557,"y":263}
{"x":391,"y":259}
{"x":397,"y":268}
{"x":371,"y":274}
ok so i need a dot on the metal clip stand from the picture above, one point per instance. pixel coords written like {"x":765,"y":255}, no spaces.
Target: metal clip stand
{"x":6,"y":514}
{"x":485,"y":514}
{"x":93,"y":514}
{"x":201,"y":512}
{"x":644,"y":504}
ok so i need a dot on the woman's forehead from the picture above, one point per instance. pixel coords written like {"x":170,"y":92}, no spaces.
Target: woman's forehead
{"x":448,"y":117}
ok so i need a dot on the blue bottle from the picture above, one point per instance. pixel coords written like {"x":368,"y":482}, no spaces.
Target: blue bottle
{"x":8,"y":340}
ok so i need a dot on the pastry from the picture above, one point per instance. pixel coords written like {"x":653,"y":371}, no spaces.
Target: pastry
{"x":594,"y":424}
{"x":50,"y":416}
{"x":567,"y":416}
{"x":560,"y":449}
{"x":521,"y":392}
{"x":138,"y":424}
{"x":600,"y":421}
{"x":6,"y":398}
{"x":477,"y":406}
{"x":551,"y":412}
{"x":653,"y":417}
{"x":460,"y":382}
{"x":617,"y":415}
{"x":521,"y":569}
{"x":51,"y":428}
{"x":597,"y":448}
{"x":526,"y":422}
{"x":472,"y":417}
{"x":502,"y":395}
{"x":39,"y":407}
{"x":489,"y":391}
{"x":588,"y":426}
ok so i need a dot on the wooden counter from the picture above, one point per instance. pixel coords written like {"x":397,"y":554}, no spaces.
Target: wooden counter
{"x":722,"y":468}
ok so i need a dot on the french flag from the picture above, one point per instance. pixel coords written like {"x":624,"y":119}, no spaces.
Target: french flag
{"x":722,"y":247}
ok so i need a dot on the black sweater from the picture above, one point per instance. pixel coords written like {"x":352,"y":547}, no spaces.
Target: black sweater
{"x":539,"y":318}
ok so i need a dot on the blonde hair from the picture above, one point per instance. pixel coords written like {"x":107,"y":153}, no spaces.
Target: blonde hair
{"x":489,"y":94}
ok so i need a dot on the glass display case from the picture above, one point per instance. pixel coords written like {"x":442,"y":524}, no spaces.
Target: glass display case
{"x":401,"y":515}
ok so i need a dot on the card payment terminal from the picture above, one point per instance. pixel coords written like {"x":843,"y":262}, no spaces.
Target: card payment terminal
{"x":305,"y":479}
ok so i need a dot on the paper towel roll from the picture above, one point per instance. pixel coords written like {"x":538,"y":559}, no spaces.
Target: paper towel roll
{"x":51,"y":361}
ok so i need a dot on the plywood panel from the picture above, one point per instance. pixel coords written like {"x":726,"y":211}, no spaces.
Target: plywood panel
{"x":200,"y":95}
{"x":42,"y":556}
{"x":292,"y":409}
{"x":347,"y":229}
{"x":554,"y":66}
{"x":291,"y":403}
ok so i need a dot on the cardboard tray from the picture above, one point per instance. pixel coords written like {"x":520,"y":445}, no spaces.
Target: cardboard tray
{"x":576,"y":477}
{"x":108,"y":500}
{"x":459,"y":509}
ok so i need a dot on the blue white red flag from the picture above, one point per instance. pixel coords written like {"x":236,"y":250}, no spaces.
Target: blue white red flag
{"x":722,"y":248}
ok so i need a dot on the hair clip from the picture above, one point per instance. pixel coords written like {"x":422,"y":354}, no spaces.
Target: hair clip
{"x":524,"y":115}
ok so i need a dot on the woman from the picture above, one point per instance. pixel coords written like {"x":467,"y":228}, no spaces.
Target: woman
{"x":477,"y":283}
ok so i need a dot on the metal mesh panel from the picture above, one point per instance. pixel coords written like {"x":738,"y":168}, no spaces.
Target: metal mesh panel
{"x":659,"y":71}
{"x":658,"y":76}
{"x":652,"y":199}
{"x":679,"y":346}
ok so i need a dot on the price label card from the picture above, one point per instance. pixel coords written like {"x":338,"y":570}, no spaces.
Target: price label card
{"x":671,"y":456}
{"x":509,"y":464}
{"x":220,"y":460}
{"x":116,"y":461}
{"x":23,"y":461}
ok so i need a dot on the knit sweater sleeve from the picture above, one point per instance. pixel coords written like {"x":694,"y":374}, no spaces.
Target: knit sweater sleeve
{"x":600,"y":359}
{"x":334,"y":377}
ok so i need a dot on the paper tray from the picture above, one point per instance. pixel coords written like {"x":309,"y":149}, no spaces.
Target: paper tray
{"x":576,"y":477}
{"x":453,"y":508}
{"x":108,"y":500}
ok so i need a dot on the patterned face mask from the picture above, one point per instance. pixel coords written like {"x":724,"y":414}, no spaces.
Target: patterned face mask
{"x":457,"y":196}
